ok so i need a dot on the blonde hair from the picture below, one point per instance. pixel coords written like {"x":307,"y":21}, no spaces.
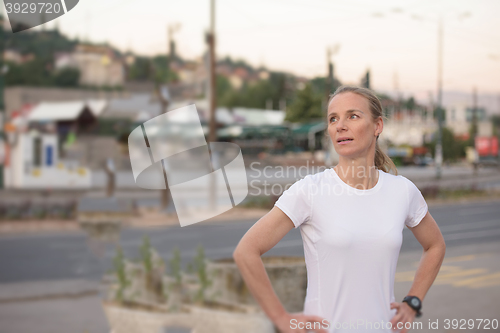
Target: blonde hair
{"x":382,"y":161}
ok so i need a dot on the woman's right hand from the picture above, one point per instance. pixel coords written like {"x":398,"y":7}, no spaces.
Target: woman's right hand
{"x":301,"y":323}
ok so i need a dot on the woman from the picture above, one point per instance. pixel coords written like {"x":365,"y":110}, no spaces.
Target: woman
{"x":351,"y":219}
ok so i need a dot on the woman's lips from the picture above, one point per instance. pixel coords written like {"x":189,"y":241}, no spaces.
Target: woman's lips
{"x":344,"y":142}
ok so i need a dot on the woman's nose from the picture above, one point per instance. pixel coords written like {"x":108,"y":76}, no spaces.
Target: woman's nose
{"x":340,"y":125}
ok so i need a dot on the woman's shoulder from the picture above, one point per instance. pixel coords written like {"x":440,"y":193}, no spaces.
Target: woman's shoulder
{"x":308,"y":182}
{"x":399,"y":180}
{"x":316,"y":178}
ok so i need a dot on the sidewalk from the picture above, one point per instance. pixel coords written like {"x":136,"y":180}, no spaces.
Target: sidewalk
{"x":52,"y":307}
{"x":45,"y":290}
{"x":147,"y":219}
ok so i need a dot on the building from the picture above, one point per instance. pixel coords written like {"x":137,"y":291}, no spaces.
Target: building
{"x":98,"y":65}
{"x":35,"y":157}
{"x":408,"y":127}
{"x":135,"y":108}
{"x":11,"y":55}
{"x":18,"y":96}
{"x":67,"y":117}
{"x":459,"y":120}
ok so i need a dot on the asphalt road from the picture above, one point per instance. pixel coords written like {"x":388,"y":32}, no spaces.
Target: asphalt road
{"x":62,"y":256}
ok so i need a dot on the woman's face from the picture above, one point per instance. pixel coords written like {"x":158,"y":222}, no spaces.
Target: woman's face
{"x":351,"y":126}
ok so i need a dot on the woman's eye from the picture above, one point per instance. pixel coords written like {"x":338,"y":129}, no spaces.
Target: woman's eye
{"x":332,"y":119}
{"x":354,"y":115}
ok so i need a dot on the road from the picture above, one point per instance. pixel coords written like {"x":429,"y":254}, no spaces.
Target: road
{"x":471,"y":276}
{"x":68,"y":255}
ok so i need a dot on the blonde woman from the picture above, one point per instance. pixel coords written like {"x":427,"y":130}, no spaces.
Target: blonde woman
{"x":351,"y":219}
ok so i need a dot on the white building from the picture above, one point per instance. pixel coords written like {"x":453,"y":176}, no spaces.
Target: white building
{"x":33,"y":162}
{"x":32,"y":159}
{"x":459,"y":120}
{"x":412,"y":129}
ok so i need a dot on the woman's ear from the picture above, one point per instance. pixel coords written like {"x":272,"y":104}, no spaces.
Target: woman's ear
{"x":379,"y":126}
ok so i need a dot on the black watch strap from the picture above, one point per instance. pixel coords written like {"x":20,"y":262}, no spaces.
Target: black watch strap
{"x":415,"y":303}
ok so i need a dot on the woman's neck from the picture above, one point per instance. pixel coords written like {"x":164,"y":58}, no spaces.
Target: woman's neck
{"x":357,"y":173}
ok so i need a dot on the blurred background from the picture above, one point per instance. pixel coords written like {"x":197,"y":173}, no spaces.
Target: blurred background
{"x":84,"y":249}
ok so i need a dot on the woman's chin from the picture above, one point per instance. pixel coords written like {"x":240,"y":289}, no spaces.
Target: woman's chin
{"x":349,"y":153}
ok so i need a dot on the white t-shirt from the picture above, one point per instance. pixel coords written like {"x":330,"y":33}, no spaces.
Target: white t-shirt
{"x":352,"y":240}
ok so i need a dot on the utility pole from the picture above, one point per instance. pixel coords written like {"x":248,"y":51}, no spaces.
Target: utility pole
{"x":329,"y":88}
{"x":163,"y":96}
{"x":164,"y":99}
{"x":212,"y":136}
{"x":397,"y":109}
{"x":474,"y":127}
{"x":366,"y":79}
{"x":328,"y":81}
{"x":172,"y":28}
{"x":439,"y":141}
{"x":168,"y":54}
{"x":2,"y":105}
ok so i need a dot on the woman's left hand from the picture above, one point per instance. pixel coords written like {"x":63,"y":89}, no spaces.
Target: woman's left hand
{"x":405,"y":314}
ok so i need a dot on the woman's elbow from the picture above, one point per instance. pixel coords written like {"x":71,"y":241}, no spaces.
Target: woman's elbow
{"x":440,"y":247}
{"x":243,"y":252}
{"x":239,"y":253}
{"x":443,"y":247}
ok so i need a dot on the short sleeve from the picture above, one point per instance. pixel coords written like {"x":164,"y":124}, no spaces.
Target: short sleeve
{"x":295,"y":202}
{"x":417,"y":207}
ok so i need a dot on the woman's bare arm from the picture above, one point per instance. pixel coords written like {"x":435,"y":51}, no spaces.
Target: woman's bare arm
{"x":429,"y":236}
{"x":259,"y":239}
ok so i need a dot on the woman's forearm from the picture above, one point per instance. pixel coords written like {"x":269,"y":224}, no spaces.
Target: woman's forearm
{"x":426,"y":273}
{"x":254,"y":273}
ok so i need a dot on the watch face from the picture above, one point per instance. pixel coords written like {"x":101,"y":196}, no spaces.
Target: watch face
{"x":415,"y":302}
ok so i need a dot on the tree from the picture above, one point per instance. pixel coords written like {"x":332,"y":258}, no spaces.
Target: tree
{"x":306,"y":106}
{"x":365,"y":82}
{"x":34,"y":73}
{"x":67,"y":77}
{"x":319,"y":85}
{"x":250,"y":95}
{"x":410,"y":103}
{"x":226,"y":94}
{"x":453,"y":148}
{"x":439,"y":111}
{"x":256,"y":95}
{"x":42,"y":44}
{"x":141,"y":69}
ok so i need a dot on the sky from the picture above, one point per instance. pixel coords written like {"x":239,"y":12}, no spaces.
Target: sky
{"x":396,"y":40}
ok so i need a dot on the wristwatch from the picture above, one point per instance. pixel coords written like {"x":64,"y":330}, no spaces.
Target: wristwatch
{"x":415,"y":303}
